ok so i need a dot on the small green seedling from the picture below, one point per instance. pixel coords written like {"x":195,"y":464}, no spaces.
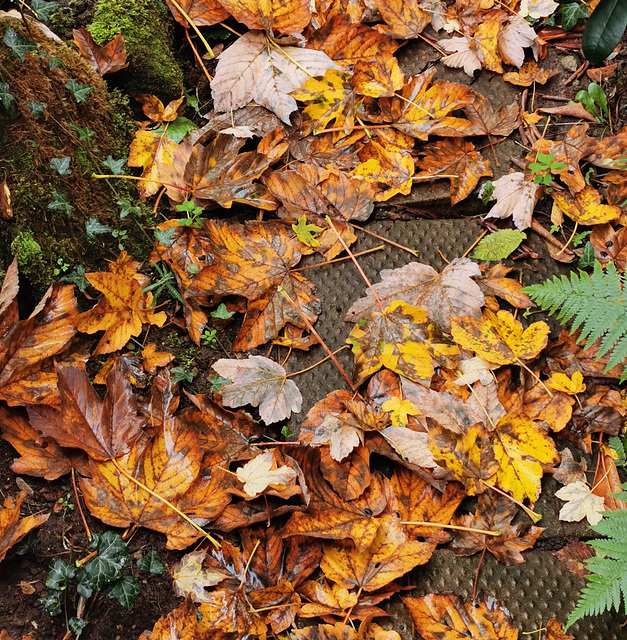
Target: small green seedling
{"x":594,"y":101}
{"x":165,"y":283}
{"x":62,"y":267}
{"x":192,"y":212}
{"x":543,"y":168}
{"x":208,"y":337}
{"x":65,"y":503}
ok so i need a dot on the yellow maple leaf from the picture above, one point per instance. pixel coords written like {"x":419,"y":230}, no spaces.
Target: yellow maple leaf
{"x":500,"y":338}
{"x":399,"y":410}
{"x":585,"y":206}
{"x":124,"y":309}
{"x":571,"y":386}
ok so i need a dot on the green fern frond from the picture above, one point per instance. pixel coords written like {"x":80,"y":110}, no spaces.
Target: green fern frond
{"x":595,"y":303}
{"x":607,"y":583}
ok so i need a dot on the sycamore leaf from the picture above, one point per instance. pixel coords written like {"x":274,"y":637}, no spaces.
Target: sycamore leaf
{"x":451,"y":293}
{"x":124,"y":309}
{"x":306,"y":233}
{"x":400,"y":339}
{"x":412,"y":446}
{"x":513,"y":38}
{"x":439,"y":616}
{"x":399,"y":410}
{"x":389,"y":557}
{"x":529,"y":73}
{"x":463,"y":54}
{"x":569,"y":470}
{"x":190,"y":577}
{"x":251,"y":70}
{"x":485,"y":121}
{"x":585,"y":206}
{"x":12,"y":527}
{"x":154,"y":359}
{"x":262,"y":383}
{"x":580,"y":503}
{"x":40,"y":457}
{"x":568,"y":151}
{"x":499,"y":245}
{"x":570,"y":385}
{"x":262,"y":472}
{"x":500,"y":338}
{"x":203,"y":13}
{"x":495,"y":513}
{"x":151,"y":151}
{"x":554,"y":631}
{"x":28,"y":346}
{"x":179,"y":623}
{"x":102,"y":59}
{"x":154,"y":109}
{"x":378,"y":78}
{"x":103,"y":429}
{"x":515,"y":197}
{"x":275,"y":16}
{"x":252,"y":261}
{"x":404,"y":19}
{"x":459,"y":162}
{"x":537,"y":8}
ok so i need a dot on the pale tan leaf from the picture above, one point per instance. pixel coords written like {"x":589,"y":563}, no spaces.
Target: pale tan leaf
{"x":259,"y":474}
{"x":515,"y":197}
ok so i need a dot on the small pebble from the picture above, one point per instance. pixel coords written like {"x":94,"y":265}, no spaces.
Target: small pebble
{"x":569,"y":63}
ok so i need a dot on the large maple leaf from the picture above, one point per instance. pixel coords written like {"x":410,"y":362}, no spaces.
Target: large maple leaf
{"x":103,"y":429}
{"x":457,"y":160}
{"x":256,"y":69}
{"x":401,"y":339}
{"x":253,"y":261}
{"x":124,"y":309}
{"x":12,"y":527}
{"x":28,"y":346}
{"x":495,"y":513}
{"x":404,"y":20}
{"x":280,"y":16}
{"x":451,"y":293}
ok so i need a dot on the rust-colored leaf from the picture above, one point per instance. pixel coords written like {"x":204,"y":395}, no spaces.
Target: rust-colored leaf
{"x":554,"y":631}
{"x":495,"y":513}
{"x":449,"y":617}
{"x":12,"y":527}
{"x":179,"y":623}
{"x":102,"y":59}
{"x":381,"y":77}
{"x":458,"y":161}
{"x":203,"y":13}
{"x":529,"y":73}
{"x":404,"y":19}
{"x":275,"y":16}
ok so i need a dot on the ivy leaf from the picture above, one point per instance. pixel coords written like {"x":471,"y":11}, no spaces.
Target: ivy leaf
{"x":79,"y":91}
{"x":571,"y":14}
{"x":84,"y":133}
{"x":76,"y":625}
{"x":52,"y":603}
{"x":43,"y":10}
{"x":36,"y":108}
{"x":6,"y":98}
{"x":59,"y":574}
{"x":151,"y":563}
{"x":105,"y":567}
{"x":94,"y":228}
{"x":217,"y":383}
{"x":499,"y":245}
{"x":19,"y":45}
{"x":165,"y":236}
{"x":61,"y":165}
{"x":126,"y":207}
{"x":124,"y":591}
{"x":115,"y":166}
{"x":306,"y":233}
{"x":222,"y":313}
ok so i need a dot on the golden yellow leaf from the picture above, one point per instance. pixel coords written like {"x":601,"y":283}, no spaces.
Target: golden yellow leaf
{"x":585,"y":206}
{"x":529,"y":73}
{"x":404,"y":19}
{"x":561,"y":382}
{"x":149,"y":150}
{"x":500,"y":338}
{"x":486,"y":41}
{"x":399,"y":410}
{"x":379,"y":77}
{"x":521,"y":448}
{"x":153,"y":358}
{"x":123,"y":310}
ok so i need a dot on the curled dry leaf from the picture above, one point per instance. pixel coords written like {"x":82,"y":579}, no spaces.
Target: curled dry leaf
{"x":529,"y":73}
{"x":263,"y":472}
{"x":190,"y":577}
{"x":404,"y":20}
{"x":262,"y":383}
{"x":451,"y":293}
{"x":515,"y":197}
{"x":203,"y":13}
{"x":569,"y":470}
{"x":12,"y":527}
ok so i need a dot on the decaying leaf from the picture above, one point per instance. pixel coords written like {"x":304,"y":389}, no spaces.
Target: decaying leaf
{"x":12,"y":527}
{"x":437,"y":617}
{"x":262,"y":472}
{"x":102,"y":59}
{"x":262,"y":383}
{"x":190,"y":577}
{"x":442,"y":296}
{"x":529,"y":73}
{"x":515,"y":197}
{"x":580,"y":503}
{"x":585,"y":206}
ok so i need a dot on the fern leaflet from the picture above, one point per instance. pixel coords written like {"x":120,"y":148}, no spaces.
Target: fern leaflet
{"x":595,"y":303}
{"x":608,"y":580}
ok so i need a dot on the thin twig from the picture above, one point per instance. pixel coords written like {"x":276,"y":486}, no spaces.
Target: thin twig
{"x":387,"y":240}
{"x":322,"y":264}
{"x":417,"y":523}
{"x":194,"y":27}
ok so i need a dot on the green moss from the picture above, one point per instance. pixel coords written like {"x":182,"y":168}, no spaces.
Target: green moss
{"x":29,"y":254}
{"x":147,"y":29}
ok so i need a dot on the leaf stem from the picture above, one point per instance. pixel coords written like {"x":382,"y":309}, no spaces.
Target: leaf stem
{"x":361,"y":253}
{"x":307,"y":322}
{"x":176,"y":510}
{"x":387,"y":240}
{"x":139,"y":179}
{"x":524,"y":366}
{"x":252,"y":553}
{"x":78,"y":504}
{"x":417,"y":523}
{"x":357,"y":265}
{"x":536,"y":517}
{"x":313,"y":366}
{"x":194,"y":27}
{"x":197,"y":56}
{"x":572,"y":235}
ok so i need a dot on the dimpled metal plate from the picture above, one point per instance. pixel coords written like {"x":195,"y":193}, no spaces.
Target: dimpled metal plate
{"x":541,"y":588}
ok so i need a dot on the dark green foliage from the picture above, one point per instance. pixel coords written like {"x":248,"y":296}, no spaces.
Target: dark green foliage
{"x":19,"y":45}
{"x":596,"y":304}
{"x":151,"y":563}
{"x":604,"y":29}
{"x":607,"y":583}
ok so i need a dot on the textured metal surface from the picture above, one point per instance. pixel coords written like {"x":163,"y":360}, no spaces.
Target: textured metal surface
{"x":541,"y":588}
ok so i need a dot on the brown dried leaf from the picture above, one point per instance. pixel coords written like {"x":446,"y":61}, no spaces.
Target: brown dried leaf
{"x":12,"y":527}
{"x":102,"y":59}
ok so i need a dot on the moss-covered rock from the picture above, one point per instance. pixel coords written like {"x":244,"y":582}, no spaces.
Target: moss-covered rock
{"x":50,"y":210}
{"x":147,"y":29}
